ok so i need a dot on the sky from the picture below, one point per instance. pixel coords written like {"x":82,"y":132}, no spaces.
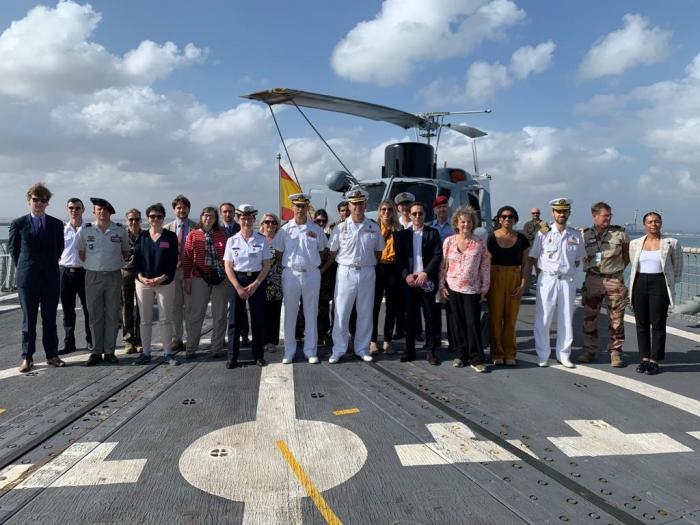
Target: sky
{"x":138,"y":101}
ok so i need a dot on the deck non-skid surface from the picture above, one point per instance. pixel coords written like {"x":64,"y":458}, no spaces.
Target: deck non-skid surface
{"x":387,"y":442}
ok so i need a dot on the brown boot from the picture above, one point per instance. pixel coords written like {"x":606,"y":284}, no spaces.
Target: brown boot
{"x":587,"y":356}
{"x":431,"y":358}
{"x":55,"y":361}
{"x":616,"y":359}
{"x":26,"y":366}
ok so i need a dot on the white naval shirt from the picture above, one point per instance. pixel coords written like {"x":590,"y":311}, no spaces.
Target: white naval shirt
{"x":247,"y":256}
{"x":558,"y":252}
{"x":103,"y":249}
{"x":357,"y":244}
{"x":71,"y":238}
{"x":300,"y":245}
{"x":417,"y":250}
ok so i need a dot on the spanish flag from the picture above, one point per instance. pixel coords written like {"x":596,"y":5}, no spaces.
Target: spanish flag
{"x":287,"y":187}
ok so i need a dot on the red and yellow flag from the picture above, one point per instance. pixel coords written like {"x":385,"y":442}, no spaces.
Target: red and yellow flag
{"x":288,"y":186}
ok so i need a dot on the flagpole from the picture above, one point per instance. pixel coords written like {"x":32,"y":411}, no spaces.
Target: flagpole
{"x":284,"y":145}
{"x":279,"y":184}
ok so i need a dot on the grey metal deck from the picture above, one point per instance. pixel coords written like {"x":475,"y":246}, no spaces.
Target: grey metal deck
{"x":387,"y":442}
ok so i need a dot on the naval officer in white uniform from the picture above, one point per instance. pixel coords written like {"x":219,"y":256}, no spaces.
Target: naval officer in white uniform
{"x":557,"y":250}
{"x":300,"y":243}
{"x":355,"y":244}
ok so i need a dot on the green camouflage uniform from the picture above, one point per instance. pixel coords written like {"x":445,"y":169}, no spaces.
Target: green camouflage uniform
{"x":607,"y":255}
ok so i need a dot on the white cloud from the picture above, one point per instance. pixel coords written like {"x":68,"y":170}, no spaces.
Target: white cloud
{"x":634,"y":44}
{"x":49,"y":53}
{"x":483,"y":79}
{"x":387,"y":49}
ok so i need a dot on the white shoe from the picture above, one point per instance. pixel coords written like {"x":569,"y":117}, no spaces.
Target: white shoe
{"x":566,"y":362}
{"x":286,"y":360}
{"x":367,"y":358}
{"x":332,"y":359}
{"x":543,"y":363}
{"x":313,"y":360}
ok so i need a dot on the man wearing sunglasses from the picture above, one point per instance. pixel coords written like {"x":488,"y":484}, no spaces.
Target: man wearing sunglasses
{"x":73,"y":277}
{"x":131,"y":320}
{"x":36,"y":244}
{"x":419,"y":254}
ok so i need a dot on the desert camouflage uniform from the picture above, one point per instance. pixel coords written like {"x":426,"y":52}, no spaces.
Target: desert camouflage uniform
{"x":607,"y":255}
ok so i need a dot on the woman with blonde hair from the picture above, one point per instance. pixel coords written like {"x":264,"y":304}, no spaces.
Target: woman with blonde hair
{"x":388,"y":278}
{"x":657,"y":264}
{"x":269,"y":225}
{"x":464,"y":281}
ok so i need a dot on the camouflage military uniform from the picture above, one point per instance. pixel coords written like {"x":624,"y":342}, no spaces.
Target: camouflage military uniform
{"x":607,"y":255}
{"x":131,"y":320}
{"x":530,"y":229}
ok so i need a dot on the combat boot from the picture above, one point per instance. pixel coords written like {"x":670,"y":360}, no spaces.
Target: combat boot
{"x":616,"y":359}
{"x":587,"y":356}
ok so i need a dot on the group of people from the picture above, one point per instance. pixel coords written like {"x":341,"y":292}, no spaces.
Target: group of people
{"x":332,"y":280}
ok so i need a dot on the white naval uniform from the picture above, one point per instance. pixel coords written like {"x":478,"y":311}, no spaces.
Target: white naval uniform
{"x":300,"y":245}
{"x":356,"y":245}
{"x":557,"y":254}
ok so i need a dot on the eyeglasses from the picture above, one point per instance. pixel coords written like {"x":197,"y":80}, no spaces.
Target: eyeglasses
{"x":38,"y":199}
{"x":508,"y":217}
{"x":154,"y":217}
{"x":269,"y":222}
{"x":138,"y":219}
{"x":417,"y":214}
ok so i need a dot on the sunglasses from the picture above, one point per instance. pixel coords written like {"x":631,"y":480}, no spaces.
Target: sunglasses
{"x":508,"y":217}
{"x":153,"y":216}
{"x":320,"y":221}
{"x":386,"y":210}
{"x":138,"y":219}
{"x":417,"y":214}
{"x":38,"y":199}
{"x":269,"y":222}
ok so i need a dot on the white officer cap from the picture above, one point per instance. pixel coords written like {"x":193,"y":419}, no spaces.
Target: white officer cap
{"x":405,"y":198}
{"x":356,"y":195}
{"x":561,"y":204}
{"x":246,"y":209}
{"x":300,"y":198}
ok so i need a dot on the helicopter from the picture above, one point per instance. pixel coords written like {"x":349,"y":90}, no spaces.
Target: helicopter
{"x":408,"y":166}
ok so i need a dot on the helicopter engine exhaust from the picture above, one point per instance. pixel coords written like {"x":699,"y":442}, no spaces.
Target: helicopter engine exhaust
{"x":409,"y":159}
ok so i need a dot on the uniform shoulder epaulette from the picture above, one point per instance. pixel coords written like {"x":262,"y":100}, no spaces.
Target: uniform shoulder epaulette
{"x":375,"y":222}
{"x":590,"y":228}
{"x":87,"y":225}
{"x":119,"y":224}
{"x":544,"y":227}
{"x":616,"y":228}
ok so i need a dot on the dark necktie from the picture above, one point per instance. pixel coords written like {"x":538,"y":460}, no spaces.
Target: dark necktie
{"x":41,"y":227}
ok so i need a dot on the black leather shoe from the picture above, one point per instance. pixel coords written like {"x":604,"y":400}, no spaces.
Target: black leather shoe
{"x":231,"y":365}
{"x":405,"y":357}
{"x":67,"y":349}
{"x":111,"y":359}
{"x":642,"y":367}
{"x":94,"y":359}
{"x":245,"y":342}
{"x":260,"y":362}
{"x":652,"y":368}
{"x":431,"y":358}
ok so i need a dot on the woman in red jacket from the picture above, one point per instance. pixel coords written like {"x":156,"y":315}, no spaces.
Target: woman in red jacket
{"x":204,"y":280}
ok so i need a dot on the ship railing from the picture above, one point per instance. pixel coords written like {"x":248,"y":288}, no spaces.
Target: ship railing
{"x":7,"y":269}
{"x":688,"y":288}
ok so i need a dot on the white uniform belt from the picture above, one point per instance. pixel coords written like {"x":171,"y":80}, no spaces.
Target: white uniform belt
{"x":558,"y":275}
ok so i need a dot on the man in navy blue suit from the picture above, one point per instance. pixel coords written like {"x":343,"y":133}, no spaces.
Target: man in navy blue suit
{"x":36,"y":244}
{"x":419,"y":255}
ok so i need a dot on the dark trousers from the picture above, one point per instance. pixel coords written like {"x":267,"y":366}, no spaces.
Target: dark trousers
{"x":236,"y":313}
{"x":417,"y":300}
{"x":466,"y":326}
{"x":650,"y":302}
{"x":72,"y":284}
{"x":273,"y":307}
{"x":387,"y":284}
{"x":131,"y":319}
{"x":437,"y":324}
{"x":30,"y":298}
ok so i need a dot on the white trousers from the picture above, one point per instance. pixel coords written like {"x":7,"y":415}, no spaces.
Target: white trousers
{"x":305,"y":286}
{"x":201,"y":294}
{"x":559,"y":294}
{"x":166,"y":298}
{"x":353,"y":287}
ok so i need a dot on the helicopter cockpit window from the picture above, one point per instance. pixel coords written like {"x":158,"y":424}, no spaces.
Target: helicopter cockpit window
{"x":424,"y":192}
{"x":376,"y":194}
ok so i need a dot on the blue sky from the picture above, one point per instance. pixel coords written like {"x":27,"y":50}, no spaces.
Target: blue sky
{"x":595,"y":100}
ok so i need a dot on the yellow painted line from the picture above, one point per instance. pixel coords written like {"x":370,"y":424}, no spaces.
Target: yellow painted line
{"x":308,"y":485}
{"x":346,"y":411}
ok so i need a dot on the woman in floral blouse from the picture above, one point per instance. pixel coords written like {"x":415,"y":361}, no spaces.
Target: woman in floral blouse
{"x":464,"y":282}
{"x":273,"y":300}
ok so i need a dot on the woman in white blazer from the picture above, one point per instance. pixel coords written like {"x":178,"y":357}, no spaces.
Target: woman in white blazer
{"x":657,"y":263}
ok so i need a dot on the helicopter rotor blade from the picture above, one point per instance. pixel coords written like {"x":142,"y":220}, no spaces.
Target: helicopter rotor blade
{"x":472,"y":133}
